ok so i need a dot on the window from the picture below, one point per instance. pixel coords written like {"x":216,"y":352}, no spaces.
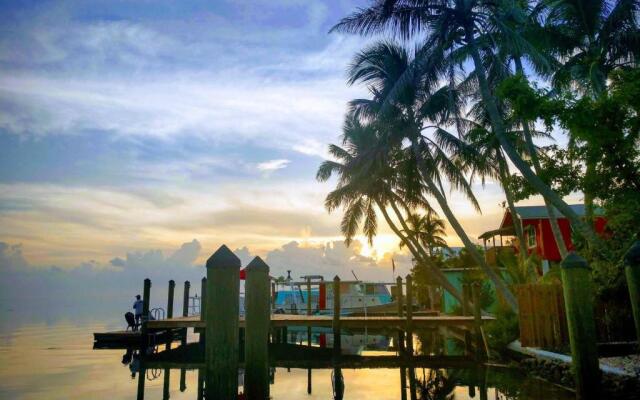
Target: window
{"x":530,"y":233}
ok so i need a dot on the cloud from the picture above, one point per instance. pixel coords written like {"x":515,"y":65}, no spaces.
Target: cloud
{"x":273,"y":165}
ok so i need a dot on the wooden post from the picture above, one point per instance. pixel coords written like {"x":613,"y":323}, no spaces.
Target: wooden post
{"x":200,"y":389}
{"x":400,"y":313}
{"x":578,"y":299}
{"x":403,"y":383}
{"x":203,"y":298}
{"x":222,"y":306}
{"x":337,"y":341}
{"x":185,"y":309}
{"x":309,"y":332}
{"x":466,"y":296}
{"x":632,"y":272}
{"x":477,"y":315}
{"x":141,"y":380}
{"x":183,"y":379}
{"x":258,"y":319}
{"x":172,"y":286}
{"x":146,"y":298}
{"x":203,"y":308}
{"x":409,"y":328}
{"x":273,"y":296}
{"x":165,"y":383}
{"x":185,"y":299}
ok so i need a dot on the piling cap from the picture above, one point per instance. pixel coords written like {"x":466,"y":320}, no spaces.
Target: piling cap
{"x":632,"y":258}
{"x":573,"y":260}
{"x":223,"y":258}
{"x":257,"y":265}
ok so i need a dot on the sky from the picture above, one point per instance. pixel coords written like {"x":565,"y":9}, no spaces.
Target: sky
{"x":131,"y":129}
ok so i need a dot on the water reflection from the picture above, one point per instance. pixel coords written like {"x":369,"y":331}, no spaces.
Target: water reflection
{"x":56,"y":361}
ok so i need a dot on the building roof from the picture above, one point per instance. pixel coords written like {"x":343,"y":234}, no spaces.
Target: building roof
{"x":532,"y":212}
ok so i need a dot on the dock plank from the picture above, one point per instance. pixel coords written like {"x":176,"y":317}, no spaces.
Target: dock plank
{"x":326,"y":321}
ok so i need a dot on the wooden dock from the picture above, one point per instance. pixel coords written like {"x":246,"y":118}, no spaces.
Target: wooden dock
{"x":326,"y":321}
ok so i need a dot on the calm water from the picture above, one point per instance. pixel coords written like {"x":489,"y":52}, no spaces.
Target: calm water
{"x":46,"y":357}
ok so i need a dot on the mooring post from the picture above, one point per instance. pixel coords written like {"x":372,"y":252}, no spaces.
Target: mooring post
{"x":409,"y":283}
{"x":477,"y":316}
{"x":632,"y":272}
{"x":222,"y":308}
{"x":203,"y":309}
{"x":141,"y":380}
{"x":185,"y":309}
{"x":183,"y":379}
{"x":172,"y":286}
{"x":309,"y":332}
{"x":337,"y":341}
{"x":203,"y":298}
{"x":466,"y":297}
{"x":258,"y":319}
{"x":577,"y":288}
{"x":200,"y":388}
{"x":165,"y":384}
{"x":146,"y":298}
{"x":400,"y":313}
{"x":403,"y":383}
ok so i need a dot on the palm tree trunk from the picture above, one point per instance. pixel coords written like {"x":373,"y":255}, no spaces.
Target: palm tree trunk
{"x":517,"y":226}
{"x":531,"y":149}
{"x":438,"y":275}
{"x":498,"y":129}
{"x":501,"y":287}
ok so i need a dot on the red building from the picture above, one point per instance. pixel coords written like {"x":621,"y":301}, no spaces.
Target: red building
{"x":537,"y":231}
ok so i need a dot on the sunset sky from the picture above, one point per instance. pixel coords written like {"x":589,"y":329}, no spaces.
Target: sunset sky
{"x":132,"y":127}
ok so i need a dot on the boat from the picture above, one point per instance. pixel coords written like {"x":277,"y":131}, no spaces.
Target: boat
{"x":356,"y":297}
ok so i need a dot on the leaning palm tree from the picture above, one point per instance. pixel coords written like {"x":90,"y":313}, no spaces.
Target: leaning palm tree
{"x":592,"y":40}
{"x":428,"y":229}
{"x":456,"y":31}
{"x":415,"y":116}
{"x":368,"y":180}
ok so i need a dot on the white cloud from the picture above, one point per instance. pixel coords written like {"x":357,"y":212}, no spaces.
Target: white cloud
{"x":273,"y":165}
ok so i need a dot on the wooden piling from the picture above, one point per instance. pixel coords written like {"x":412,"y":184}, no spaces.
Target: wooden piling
{"x":632,"y":273}
{"x":183,"y":379}
{"x":258,"y":319}
{"x":578,"y":298}
{"x":309,"y":332}
{"x":477,"y":316}
{"x":146,"y":298}
{"x":203,"y":298}
{"x":172,"y":286}
{"x":222,"y":307}
{"x":203,"y":308}
{"x":165,"y":383}
{"x":400,"y":313}
{"x":409,"y":328}
{"x":185,"y":309}
{"x":466,"y":297}
{"x":337,"y":341}
{"x":141,"y":380}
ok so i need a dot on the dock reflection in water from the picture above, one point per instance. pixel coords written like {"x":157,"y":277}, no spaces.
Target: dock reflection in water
{"x":368,"y":366}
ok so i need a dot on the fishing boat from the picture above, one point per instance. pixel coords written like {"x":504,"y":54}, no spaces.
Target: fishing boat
{"x":356,"y":297}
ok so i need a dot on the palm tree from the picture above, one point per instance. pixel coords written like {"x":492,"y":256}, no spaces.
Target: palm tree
{"x":456,"y":30}
{"x":405,"y":119}
{"x":367,"y":180}
{"x":428,"y":229}
{"x":592,"y":39}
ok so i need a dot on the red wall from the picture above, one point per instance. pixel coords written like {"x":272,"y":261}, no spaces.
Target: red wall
{"x":546,"y":247}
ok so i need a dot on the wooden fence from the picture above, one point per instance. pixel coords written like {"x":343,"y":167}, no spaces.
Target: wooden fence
{"x":542,"y":316}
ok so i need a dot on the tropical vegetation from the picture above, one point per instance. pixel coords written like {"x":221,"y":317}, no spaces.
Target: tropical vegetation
{"x":464,"y":90}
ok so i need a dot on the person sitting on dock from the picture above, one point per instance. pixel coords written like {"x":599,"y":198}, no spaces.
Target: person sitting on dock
{"x":137,"y":306}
